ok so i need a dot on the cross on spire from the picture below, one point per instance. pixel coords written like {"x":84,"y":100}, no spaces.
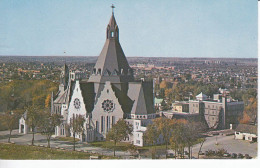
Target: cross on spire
{"x":112,"y":8}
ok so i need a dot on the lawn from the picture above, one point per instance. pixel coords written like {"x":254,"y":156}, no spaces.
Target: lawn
{"x":122,"y":146}
{"x":20,"y":152}
{"x":69,"y":139}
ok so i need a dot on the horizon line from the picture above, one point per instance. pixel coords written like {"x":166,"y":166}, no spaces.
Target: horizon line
{"x":126,"y":56}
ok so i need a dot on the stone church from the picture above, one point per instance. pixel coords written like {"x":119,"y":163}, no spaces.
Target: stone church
{"x":110,"y":93}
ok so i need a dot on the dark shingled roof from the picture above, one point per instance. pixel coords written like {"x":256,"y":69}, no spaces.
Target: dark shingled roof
{"x":112,"y":61}
{"x":88,"y":95}
{"x":246,"y":128}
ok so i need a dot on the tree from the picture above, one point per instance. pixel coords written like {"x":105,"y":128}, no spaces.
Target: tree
{"x":151,"y":136}
{"x":132,"y":149}
{"x":163,"y":84}
{"x":177,"y":138}
{"x":33,"y":118}
{"x":76,"y":126}
{"x":186,"y":134}
{"x":48,"y":123}
{"x":201,"y":142}
{"x":119,"y":132}
{"x":191,"y":135}
{"x":165,"y":127}
{"x":10,"y":119}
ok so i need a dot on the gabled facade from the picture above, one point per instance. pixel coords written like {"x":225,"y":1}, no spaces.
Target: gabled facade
{"x":111,"y":93}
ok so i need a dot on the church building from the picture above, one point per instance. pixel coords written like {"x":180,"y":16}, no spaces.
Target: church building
{"x":111,"y":93}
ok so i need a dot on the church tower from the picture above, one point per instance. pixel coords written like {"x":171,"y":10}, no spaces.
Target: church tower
{"x":112,"y":64}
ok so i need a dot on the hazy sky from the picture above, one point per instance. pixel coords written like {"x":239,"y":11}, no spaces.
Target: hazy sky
{"x":169,"y":28}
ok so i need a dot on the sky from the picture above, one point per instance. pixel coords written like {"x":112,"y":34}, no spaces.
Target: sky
{"x":148,"y":28}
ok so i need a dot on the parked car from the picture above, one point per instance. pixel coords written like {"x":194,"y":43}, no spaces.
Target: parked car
{"x":234,"y":155}
{"x":247,"y":156}
{"x":170,"y":155}
{"x":186,"y":153}
{"x":201,"y":153}
{"x":226,"y":155}
{"x":240,"y":156}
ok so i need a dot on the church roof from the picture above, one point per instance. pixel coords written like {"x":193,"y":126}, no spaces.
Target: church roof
{"x":112,"y":64}
{"x":201,"y":95}
{"x":112,"y":58}
{"x":88,"y":95}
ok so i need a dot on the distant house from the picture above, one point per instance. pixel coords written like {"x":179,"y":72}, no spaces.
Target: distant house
{"x":246,"y":132}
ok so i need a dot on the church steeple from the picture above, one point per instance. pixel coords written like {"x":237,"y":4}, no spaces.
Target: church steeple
{"x":112,"y":28}
{"x":112,"y":64}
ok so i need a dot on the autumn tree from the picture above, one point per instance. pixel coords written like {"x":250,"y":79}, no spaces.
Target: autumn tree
{"x":119,"y":132}
{"x":151,"y":136}
{"x":177,"y":140}
{"x":192,"y":133}
{"x":76,"y":126}
{"x":10,"y":120}
{"x":163,"y":85}
{"x":48,"y":101}
{"x":165,"y":127}
{"x":186,"y":134}
{"x":48,"y":123}
{"x":33,"y":118}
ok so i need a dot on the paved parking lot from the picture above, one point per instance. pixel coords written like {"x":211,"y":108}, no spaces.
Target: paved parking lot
{"x":228,"y":143}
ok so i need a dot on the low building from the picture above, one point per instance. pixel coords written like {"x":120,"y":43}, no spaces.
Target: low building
{"x":23,"y":127}
{"x":180,"y":107}
{"x":246,"y":132}
{"x":218,"y":113}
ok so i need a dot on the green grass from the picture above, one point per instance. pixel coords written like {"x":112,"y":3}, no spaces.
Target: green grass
{"x":122,"y":146}
{"x":69,"y":139}
{"x":20,"y":152}
{"x":156,"y":146}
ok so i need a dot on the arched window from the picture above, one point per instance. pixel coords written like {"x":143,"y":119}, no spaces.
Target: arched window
{"x":99,"y":70}
{"x":112,"y":34}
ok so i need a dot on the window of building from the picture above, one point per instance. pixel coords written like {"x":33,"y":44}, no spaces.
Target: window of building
{"x":102,"y":124}
{"x":113,"y":120}
{"x":107,"y":123}
{"x":107,"y":91}
{"x":138,"y":141}
{"x":112,"y":34}
{"x":97,"y":126}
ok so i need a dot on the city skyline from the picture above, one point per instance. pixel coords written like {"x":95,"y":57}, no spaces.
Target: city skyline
{"x":147,"y":29}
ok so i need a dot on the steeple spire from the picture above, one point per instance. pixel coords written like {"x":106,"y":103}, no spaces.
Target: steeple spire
{"x":112,"y":64}
{"x":113,"y":8}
